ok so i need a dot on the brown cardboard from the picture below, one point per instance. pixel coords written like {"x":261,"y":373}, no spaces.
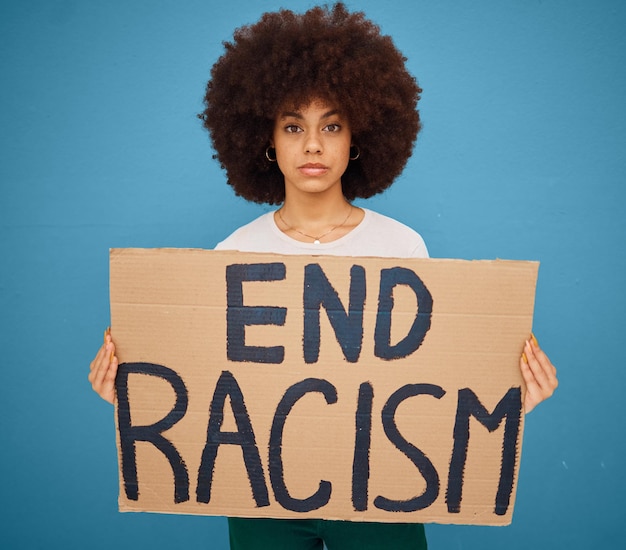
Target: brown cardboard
{"x":169,"y":308}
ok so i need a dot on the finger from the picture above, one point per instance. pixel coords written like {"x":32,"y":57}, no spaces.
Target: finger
{"x":543,"y":359}
{"x":534,"y":364}
{"x":534,"y":394}
{"x":532,"y":386}
{"x":104,"y":350}
{"x":540,"y":365}
{"x":527,"y":373}
{"x":102,"y":365}
{"x":105,"y":382}
{"x":96,"y":367}
{"x":111,"y":373}
{"x":98,"y":357}
{"x":102,"y":378}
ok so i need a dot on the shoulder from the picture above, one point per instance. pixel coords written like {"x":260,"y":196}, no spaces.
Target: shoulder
{"x":245,"y":237}
{"x":379,"y":220}
{"x":389,"y":237}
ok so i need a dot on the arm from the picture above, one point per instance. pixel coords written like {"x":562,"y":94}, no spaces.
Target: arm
{"x":539,"y":374}
{"x":103,"y":369}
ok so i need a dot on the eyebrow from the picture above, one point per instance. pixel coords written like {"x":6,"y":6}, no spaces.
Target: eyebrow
{"x":299,"y":116}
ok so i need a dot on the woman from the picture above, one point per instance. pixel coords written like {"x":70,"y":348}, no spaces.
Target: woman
{"x":310,"y":112}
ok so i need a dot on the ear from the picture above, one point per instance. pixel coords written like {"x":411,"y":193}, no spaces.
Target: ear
{"x":355,"y":152}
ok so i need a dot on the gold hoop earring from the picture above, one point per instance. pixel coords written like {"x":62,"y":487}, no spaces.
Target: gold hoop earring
{"x":267,"y":154}
{"x":357,"y":154}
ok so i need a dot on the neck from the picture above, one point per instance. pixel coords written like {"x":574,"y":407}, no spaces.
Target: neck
{"x":313,"y":212}
{"x":316,"y":218}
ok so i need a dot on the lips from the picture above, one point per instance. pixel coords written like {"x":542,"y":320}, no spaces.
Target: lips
{"x":313,"y":169}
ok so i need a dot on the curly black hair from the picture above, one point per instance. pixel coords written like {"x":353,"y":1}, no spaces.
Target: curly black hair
{"x":290,"y":59}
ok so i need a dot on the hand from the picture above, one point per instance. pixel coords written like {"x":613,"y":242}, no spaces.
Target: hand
{"x":539,"y":374}
{"x":103,"y":369}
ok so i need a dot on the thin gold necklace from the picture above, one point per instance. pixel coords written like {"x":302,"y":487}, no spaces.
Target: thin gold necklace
{"x":316,"y":240}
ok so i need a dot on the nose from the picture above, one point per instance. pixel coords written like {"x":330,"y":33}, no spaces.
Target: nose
{"x":313,"y":144}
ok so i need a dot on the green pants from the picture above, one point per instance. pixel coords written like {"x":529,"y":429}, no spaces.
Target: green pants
{"x":312,"y":534}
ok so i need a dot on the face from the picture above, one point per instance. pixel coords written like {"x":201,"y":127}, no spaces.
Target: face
{"x":312,"y":148}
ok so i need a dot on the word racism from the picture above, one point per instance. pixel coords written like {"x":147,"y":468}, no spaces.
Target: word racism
{"x":338,"y":400}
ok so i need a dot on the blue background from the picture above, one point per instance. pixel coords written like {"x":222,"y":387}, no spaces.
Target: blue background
{"x":522,"y":156}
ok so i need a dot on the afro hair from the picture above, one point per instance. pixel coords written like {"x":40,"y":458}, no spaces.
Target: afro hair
{"x":291,"y":59}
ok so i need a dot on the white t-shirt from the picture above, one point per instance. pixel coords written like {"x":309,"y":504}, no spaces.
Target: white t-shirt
{"x":376,"y":235}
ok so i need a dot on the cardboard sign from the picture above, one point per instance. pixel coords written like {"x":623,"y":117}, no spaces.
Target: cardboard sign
{"x":364,"y":389}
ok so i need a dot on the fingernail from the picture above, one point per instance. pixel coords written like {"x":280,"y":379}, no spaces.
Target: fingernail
{"x":524,"y":358}
{"x":534,"y":339}
{"x":111,"y":357}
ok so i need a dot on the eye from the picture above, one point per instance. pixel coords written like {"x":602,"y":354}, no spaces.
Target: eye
{"x":292,"y":128}
{"x":334,"y":127}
